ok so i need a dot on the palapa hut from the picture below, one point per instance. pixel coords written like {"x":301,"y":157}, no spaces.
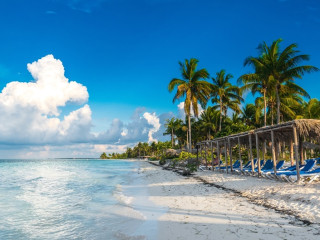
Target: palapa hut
{"x":298,"y":135}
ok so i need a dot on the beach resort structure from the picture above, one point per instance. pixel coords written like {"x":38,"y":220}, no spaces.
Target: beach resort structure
{"x":297,"y":136}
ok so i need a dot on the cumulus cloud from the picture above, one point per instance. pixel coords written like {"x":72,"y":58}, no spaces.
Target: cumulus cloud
{"x":31,"y":118}
{"x":154,"y":121}
{"x":30,"y":110}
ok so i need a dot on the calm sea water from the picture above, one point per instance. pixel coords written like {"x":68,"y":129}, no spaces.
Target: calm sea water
{"x":61,"y":199}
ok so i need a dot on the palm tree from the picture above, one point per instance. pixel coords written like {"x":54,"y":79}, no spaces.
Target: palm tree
{"x":249,"y":112}
{"x":310,"y":109}
{"x":281,"y":67}
{"x":208,"y":121}
{"x":225,"y":94}
{"x":182,"y":132}
{"x":193,"y":87}
{"x":256,"y":82}
{"x":171,"y":127}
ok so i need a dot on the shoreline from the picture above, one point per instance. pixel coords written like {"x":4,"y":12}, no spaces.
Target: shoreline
{"x":198,"y":210}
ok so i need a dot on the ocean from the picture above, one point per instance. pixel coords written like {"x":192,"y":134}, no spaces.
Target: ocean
{"x":70,"y":199}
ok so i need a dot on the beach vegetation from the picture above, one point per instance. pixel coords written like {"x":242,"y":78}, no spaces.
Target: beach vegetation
{"x":272,"y":82}
{"x":193,"y":88}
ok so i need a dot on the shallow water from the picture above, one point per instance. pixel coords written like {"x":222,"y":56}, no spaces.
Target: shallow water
{"x":63,"y":199}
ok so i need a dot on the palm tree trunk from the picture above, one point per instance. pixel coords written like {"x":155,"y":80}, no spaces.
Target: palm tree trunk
{"x":265,"y":107}
{"x":172,"y":137}
{"x":278,"y":103}
{"x":220,"y":116}
{"x":188,"y":138}
{"x":271,"y":114}
{"x":189,"y":120}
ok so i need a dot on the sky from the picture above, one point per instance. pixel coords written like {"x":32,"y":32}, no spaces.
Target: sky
{"x":82,"y":77}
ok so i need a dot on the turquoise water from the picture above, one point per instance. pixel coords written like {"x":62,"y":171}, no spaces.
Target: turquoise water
{"x":61,"y":199}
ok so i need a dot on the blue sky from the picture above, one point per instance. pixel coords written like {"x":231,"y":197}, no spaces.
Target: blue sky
{"x":126,"y":51}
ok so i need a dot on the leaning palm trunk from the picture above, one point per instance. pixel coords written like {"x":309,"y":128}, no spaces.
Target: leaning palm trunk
{"x":265,"y":107}
{"x":220,"y":116}
{"x":190,"y":144}
{"x":278,"y":104}
{"x":271,"y":114}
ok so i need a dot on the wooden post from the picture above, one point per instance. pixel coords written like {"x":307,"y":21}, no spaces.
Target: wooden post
{"x":264,"y":148}
{"x":230,"y":154}
{"x":277,"y":148}
{"x":197,"y":153}
{"x":301,"y":150}
{"x":240,"y":159}
{"x":295,"y":139}
{"x":273,"y":153}
{"x":226,"y":154}
{"x":250,"y":153}
{"x":206,"y":154}
{"x":258,"y":157}
{"x":305,"y":153}
{"x":212,"y":155}
{"x":201,"y":155}
{"x":291,"y":152}
{"x":218,"y":153}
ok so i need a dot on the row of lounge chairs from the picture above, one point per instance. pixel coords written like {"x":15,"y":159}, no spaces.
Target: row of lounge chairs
{"x":308,"y":172}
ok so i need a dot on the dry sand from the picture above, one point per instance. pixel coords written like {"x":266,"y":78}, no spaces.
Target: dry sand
{"x":180,"y":207}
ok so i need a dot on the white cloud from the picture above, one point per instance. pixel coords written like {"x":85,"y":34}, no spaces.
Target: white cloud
{"x":33,"y":126}
{"x":30,"y":110}
{"x":154,"y":121}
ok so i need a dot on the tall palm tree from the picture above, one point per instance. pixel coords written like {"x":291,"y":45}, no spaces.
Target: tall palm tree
{"x":257,"y":82}
{"x":208,"y":121}
{"x":171,"y":127}
{"x":281,"y":66}
{"x":225,"y":94}
{"x":193,"y":87}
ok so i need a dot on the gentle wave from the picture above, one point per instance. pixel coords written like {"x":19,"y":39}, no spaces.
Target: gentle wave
{"x":64,"y":199}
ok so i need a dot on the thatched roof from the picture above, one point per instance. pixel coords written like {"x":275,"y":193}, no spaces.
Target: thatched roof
{"x":306,"y":128}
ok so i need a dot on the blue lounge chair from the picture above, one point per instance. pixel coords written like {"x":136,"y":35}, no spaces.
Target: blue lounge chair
{"x":236,"y":164}
{"x":247,"y":167}
{"x":310,"y":164}
{"x":311,"y":175}
{"x":237,"y":170}
{"x":308,"y":167}
{"x":266,"y":165}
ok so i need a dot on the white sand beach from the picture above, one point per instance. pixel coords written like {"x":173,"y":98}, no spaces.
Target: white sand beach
{"x":186,"y":208}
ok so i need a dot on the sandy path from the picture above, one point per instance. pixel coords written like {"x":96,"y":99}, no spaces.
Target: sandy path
{"x":198,"y":211}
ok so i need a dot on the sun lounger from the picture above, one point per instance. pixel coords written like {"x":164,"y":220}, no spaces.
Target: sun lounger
{"x":308,"y":177}
{"x":236,"y":164}
{"x":246,"y":167}
{"x":249,"y":169}
{"x":308,"y":167}
{"x":310,"y":164}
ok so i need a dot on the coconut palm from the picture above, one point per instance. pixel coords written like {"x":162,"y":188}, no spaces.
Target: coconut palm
{"x":193,"y":87}
{"x":249,"y":112}
{"x":225,"y":94}
{"x":257,"y":82}
{"x":208,"y":121}
{"x":171,"y":127}
{"x":281,"y":66}
{"x":310,"y":109}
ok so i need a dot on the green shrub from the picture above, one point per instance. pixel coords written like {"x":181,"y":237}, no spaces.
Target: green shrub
{"x":162,"y":162}
{"x":192,"y":167}
{"x":186,"y":155}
